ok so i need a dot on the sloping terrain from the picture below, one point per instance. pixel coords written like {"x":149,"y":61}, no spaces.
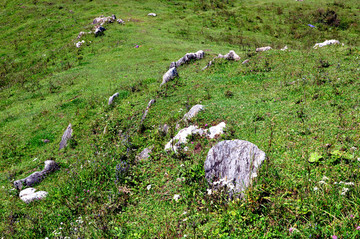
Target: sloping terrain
{"x":300,"y":106}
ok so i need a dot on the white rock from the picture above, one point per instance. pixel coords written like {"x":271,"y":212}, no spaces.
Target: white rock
{"x":169,"y":75}
{"x":230,"y":56}
{"x":152,"y":14}
{"x":188,"y":57}
{"x":181,"y":137}
{"x":111,"y":98}
{"x":66,"y":136}
{"x":193,"y":112}
{"x":78,"y":44}
{"x":326,"y":43}
{"x":176,"y":197}
{"x":216,"y":130}
{"x":148,"y":187}
{"x":28,"y":195}
{"x":265,"y":48}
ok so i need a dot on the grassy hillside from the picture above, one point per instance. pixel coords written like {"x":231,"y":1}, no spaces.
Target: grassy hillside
{"x":292,"y":104}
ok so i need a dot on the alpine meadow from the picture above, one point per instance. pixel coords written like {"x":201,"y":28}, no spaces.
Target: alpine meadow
{"x":179,"y":119}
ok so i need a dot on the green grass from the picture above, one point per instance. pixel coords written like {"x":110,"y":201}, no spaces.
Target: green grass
{"x":289,"y":103}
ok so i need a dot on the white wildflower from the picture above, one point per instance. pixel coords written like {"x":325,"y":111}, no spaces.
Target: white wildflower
{"x":325,"y":178}
{"x":322,"y":182}
{"x":182,"y":165}
{"x":35,"y":159}
{"x":358,"y":159}
{"x":209,"y":191}
{"x":185,"y":212}
{"x":316,"y":188}
{"x":176,"y":197}
{"x":349,"y":183}
{"x":148,"y":187}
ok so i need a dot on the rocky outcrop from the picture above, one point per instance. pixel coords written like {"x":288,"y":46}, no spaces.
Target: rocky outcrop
{"x":169,"y":75}
{"x":50,"y":166}
{"x":265,"y":48}
{"x":326,"y":43}
{"x":28,"y":195}
{"x":188,"y":57}
{"x":111,"y":98}
{"x":66,"y":136}
{"x":234,"y":164}
{"x":193,"y":112}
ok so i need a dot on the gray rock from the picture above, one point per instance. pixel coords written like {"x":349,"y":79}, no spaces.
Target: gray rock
{"x":188,"y":57}
{"x":233,"y":163}
{"x":120,"y":21}
{"x":246,"y":61}
{"x":265,"y":48}
{"x":164,"y":129}
{"x":81,"y":34}
{"x":145,"y":154}
{"x":111,"y":98}
{"x":79,"y":44}
{"x":50,"y":166}
{"x":193,"y":112}
{"x":66,"y":136}
{"x":169,"y":75}
{"x":152,"y":14}
{"x":230,"y":56}
{"x":28,"y":195}
{"x":99,"y":30}
{"x":101,"y":20}
{"x":151,"y":102}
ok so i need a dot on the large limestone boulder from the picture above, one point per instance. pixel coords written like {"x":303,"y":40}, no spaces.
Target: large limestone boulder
{"x":28,"y":195}
{"x":234,"y":164}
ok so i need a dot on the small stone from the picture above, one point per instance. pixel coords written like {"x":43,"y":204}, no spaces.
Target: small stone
{"x":176,"y":197}
{"x":79,"y":44}
{"x":246,"y":61}
{"x":148,"y":187}
{"x":193,"y":112}
{"x":111,"y":98}
{"x":169,"y":75}
{"x":145,"y":154}
{"x":230,"y":56}
{"x":326,"y":43}
{"x":66,"y":136}
{"x":152,"y":14}
{"x":120,"y":21}
{"x":265,"y":48}
{"x":28,"y":195}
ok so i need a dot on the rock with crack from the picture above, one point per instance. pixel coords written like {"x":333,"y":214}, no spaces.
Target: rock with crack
{"x":145,"y":154}
{"x":230,"y":56}
{"x":326,"y":43}
{"x":193,"y":112}
{"x":265,"y":48}
{"x":28,"y":195}
{"x":79,"y":44}
{"x":151,"y":102}
{"x":188,"y":57}
{"x":234,"y":164}
{"x":169,"y":75}
{"x":181,"y":138}
{"x":66,"y":136}
{"x":99,"y":30}
{"x":111,"y":98}
{"x":50,"y":166}
{"x":152,"y":14}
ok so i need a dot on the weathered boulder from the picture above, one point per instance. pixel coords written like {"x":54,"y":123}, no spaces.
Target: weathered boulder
{"x":326,"y":43}
{"x":193,"y":112}
{"x":188,"y":57}
{"x":151,"y":102}
{"x":28,"y":195}
{"x":50,"y":166}
{"x":152,"y":14}
{"x":265,"y":48}
{"x":66,"y":136}
{"x":230,"y":56}
{"x":169,"y":75}
{"x":234,"y":164}
{"x":111,"y":98}
{"x":145,"y":154}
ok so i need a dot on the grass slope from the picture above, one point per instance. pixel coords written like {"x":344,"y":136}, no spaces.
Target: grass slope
{"x":291,"y":104}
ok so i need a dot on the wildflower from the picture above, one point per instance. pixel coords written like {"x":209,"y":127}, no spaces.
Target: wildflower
{"x":176,"y":197}
{"x":291,"y":230}
{"x":148,"y":187}
{"x":209,"y":191}
{"x":316,"y":188}
{"x":322,"y":182}
{"x":349,"y":183}
{"x":344,"y":191}
{"x":206,"y":125}
{"x":334,"y":237}
{"x":358,"y":228}
{"x":192,"y":142}
{"x":351,"y":216}
{"x":325,"y":178}
{"x":311,"y":25}
{"x":88,"y":191}
{"x":76,"y":197}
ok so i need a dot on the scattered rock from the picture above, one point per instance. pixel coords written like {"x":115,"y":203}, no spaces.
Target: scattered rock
{"x":188,"y":57}
{"x":151,"y":102}
{"x":66,"y":136}
{"x":284,"y":49}
{"x":164,"y":129}
{"x":120,"y":21}
{"x":230,"y":56}
{"x":81,"y":34}
{"x":246,"y":61}
{"x":28,"y":195}
{"x":99,"y":30}
{"x":265,"y":48}
{"x":45,"y":141}
{"x":216,"y":130}
{"x":325,"y":43}
{"x":78,"y":44}
{"x":193,"y":112}
{"x":145,"y":154}
{"x":152,"y":14}
{"x":181,"y":138}
{"x":111,"y":98}
{"x":176,"y":197}
{"x":233,"y":163}
{"x":50,"y":166}
{"x":169,"y":75}
{"x":101,"y":20}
